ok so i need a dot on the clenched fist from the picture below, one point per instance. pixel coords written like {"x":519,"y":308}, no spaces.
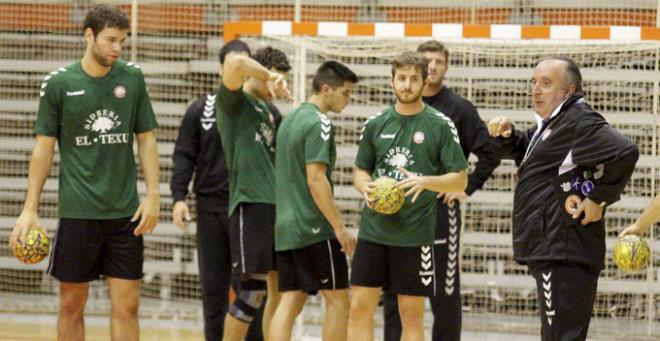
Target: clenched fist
{"x":499,"y":126}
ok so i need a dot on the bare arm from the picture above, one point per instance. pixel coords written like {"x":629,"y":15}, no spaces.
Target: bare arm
{"x":363,"y":183}
{"x":319,"y":187}
{"x":149,"y":209}
{"x":238,"y":67}
{"x":449,"y":182}
{"x":40,"y":163}
{"x":650,"y":215}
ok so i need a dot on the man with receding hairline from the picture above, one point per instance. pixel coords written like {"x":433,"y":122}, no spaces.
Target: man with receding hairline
{"x":571,"y":166}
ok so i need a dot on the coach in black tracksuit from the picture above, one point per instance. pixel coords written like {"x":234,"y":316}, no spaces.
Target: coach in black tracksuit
{"x":571,"y":166}
{"x":473,"y":135}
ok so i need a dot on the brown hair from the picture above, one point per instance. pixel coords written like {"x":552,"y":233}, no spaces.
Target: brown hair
{"x":415,"y":59}
{"x":433,"y":46}
{"x":101,"y":16}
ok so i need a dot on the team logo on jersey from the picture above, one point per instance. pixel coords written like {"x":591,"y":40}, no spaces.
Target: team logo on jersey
{"x":100,"y":123}
{"x":418,"y":137}
{"x":397,"y":157}
{"x":119,"y":91}
{"x":265,"y":134}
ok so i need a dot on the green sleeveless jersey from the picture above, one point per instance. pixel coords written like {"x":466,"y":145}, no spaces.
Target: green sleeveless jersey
{"x":94,"y":121}
{"x":247,"y":130}
{"x":305,"y":136}
{"x":425,"y":144}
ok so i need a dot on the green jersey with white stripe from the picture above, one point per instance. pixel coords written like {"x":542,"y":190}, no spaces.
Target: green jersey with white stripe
{"x":305,"y":136}
{"x":94,"y":121}
{"x":425,"y":144}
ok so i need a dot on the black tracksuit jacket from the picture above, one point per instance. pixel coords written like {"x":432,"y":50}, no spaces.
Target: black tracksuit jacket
{"x":472,"y":133}
{"x":198,"y":150}
{"x":539,"y":232}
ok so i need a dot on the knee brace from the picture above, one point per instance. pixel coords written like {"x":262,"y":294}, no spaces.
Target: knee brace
{"x":249,"y":299}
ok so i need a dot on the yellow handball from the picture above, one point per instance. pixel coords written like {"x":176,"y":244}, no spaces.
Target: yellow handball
{"x":386,"y":197}
{"x":34,"y":249}
{"x":631,"y":253}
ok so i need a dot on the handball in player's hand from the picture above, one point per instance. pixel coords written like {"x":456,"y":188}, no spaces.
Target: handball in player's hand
{"x":34,"y":248}
{"x":631,"y":253}
{"x":386,"y":197}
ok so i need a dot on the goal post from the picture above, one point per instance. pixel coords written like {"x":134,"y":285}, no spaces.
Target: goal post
{"x":620,"y":81}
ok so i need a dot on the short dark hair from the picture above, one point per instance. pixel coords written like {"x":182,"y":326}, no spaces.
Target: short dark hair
{"x":270,"y":58}
{"x":101,"y":16}
{"x":433,"y":46}
{"x":334,"y":74}
{"x":415,"y":59}
{"x":572,"y":74}
{"x":235,"y":45}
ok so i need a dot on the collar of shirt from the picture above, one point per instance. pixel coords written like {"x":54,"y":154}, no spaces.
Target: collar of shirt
{"x":539,"y":119}
{"x":540,"y":125}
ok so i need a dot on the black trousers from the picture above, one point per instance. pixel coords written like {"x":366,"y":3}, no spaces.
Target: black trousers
{"x":446,"y":304}
{"x":216,"y":275}
{"x":566,"y":294}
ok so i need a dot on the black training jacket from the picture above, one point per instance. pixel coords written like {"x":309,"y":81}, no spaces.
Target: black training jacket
{"x":472,"y":133}
{"x":198,"y":150}
{"x":539,"y":232}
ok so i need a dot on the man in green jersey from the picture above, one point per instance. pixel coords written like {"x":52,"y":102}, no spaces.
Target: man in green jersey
{"x":418,"y":146}
{"x":247,"y":130}
{"x":309,"y":232}
{"x":94,"y":109}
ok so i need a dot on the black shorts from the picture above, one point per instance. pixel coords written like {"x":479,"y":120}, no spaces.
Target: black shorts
{"x":399,"y":270}
{"x":85,"y":249}
{"x":320,"y":266}
{"x":252,"y":240}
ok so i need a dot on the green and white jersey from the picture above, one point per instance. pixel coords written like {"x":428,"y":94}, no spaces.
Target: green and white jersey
{"x":247,"y":130}
{"x":305,"y":136}
{"x":425,"y":144}
{"x":94,"y":121}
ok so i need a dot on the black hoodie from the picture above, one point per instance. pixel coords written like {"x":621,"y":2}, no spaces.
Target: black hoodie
{"x":198,"y":150}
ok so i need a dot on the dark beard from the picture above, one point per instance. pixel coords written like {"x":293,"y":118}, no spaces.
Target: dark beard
{"x":101,"y":60}
{"x":413,"y":100}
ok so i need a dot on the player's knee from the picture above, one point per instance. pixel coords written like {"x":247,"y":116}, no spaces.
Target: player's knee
{"x":126,"y":307}
{"x":248,"y":300}
{"x":72,"y":302}
{"x":71,"y":306}
{"x":337,"y":302}
{"x":411,"y":315}
{"x":359,"y":310}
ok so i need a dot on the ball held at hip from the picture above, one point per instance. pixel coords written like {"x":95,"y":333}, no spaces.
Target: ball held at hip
{"x":34,"y":248}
